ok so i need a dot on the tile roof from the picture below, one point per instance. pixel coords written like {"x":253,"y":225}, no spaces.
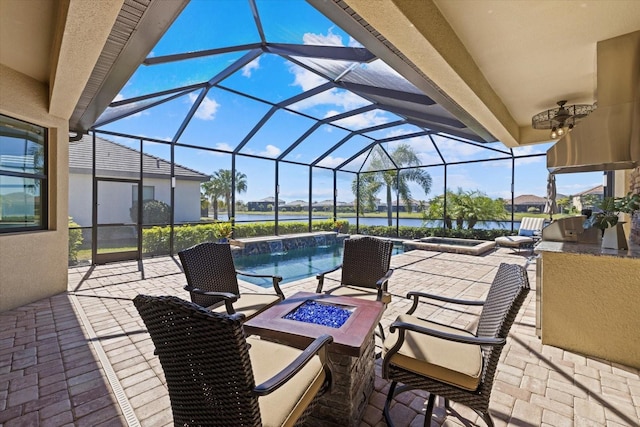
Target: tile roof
{"x":115,"y":159}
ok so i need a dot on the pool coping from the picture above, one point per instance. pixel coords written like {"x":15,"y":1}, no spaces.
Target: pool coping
{"x":477,"y":250}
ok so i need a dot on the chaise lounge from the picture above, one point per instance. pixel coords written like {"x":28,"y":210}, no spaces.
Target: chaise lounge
{"x":529,"y":232}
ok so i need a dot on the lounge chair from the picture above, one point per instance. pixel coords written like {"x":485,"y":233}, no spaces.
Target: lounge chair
{"x":529,"y":233}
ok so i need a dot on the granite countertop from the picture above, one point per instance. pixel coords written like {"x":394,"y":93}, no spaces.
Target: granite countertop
{"x":586,"y":249}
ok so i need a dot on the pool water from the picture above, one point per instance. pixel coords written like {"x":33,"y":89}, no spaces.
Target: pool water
{"x":294,"y":264}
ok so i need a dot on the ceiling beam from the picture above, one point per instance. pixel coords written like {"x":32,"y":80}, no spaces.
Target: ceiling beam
{"x":83,"y":28}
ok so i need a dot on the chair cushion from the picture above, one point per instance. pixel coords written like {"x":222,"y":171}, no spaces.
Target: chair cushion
{"x":249,"y":304}
{"x":285,"y":405}
{"x":526,"y":233}
{"x":358,"y":292}
{"x":451,"y":362}
{"x":514,"y":241}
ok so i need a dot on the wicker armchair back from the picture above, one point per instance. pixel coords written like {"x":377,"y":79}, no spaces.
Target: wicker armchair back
{"x":205,"y":360}
{"x":365,"y":260}
{"x":209,"y":266}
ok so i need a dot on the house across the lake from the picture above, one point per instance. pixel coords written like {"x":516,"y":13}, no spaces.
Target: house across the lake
{"x":118,"y":162}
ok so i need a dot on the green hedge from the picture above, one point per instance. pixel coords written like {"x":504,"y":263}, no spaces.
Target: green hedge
{"x":405,"y":232}
{"x":75,"y":241}
{"x":155,"y":240}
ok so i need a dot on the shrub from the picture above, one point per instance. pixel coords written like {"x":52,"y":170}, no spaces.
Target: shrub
{"x":155,"y":240}
{"x":75,"y":241}
{"x":153,"y":212}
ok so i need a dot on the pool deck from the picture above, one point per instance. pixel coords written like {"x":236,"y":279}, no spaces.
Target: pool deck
{"x":83,"y":358}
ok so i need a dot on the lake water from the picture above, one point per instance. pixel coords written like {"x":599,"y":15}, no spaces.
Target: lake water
{"x":410,"y":222}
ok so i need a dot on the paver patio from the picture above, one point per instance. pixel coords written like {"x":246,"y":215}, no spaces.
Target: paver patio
{"x":84,"y":358}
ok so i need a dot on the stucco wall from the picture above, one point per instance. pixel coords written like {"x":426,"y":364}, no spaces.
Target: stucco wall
{"x":590,"y":305}
{"x":34,"y":265}
{"x":187,"y":201}
{"x":187,"y":195}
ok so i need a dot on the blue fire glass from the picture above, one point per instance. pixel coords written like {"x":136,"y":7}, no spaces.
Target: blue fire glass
{"x":320,"y":314}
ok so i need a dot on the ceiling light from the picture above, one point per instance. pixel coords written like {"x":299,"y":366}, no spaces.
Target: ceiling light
{"x":557,"y":119}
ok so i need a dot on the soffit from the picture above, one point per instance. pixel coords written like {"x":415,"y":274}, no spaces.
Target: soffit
{"x":502,"y":62}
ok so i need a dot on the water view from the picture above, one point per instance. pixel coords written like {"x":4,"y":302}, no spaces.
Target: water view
{"x":410,"y":222}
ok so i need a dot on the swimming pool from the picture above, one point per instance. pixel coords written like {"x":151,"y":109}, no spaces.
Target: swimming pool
{"x":294,"y":264}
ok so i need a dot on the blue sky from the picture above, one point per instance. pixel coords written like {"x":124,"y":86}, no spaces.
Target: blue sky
{"x":224,"y":118}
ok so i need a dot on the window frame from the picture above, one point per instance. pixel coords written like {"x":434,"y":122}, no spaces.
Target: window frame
{"x":43,"y":178}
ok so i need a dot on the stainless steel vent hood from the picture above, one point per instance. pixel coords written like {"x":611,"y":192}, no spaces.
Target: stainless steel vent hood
{"x":609,"y":138}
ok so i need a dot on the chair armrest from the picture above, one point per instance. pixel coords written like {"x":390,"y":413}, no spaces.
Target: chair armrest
{"x":274,"y":279}
{"x":417,"y":295}
{"x":320,"y":277}
{"x":381,"y":284}
{"x":228,"y":297}
{"x":294,"y":367}
{"x":447,"y":336}
{"x":384,"y":279}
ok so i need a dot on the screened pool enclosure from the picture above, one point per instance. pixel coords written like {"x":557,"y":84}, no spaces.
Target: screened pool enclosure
{"x":267,"y":112}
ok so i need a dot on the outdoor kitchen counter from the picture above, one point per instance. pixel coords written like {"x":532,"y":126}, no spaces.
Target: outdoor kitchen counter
{"x":586,"y":249}
{"x":587,"y":300}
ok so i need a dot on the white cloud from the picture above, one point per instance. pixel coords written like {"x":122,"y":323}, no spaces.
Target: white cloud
{"x":331,"y":162}
{"x":221,"y":146}
{"x":119,"y":97}
{"x":354,"y":43}
{"x":329,"y":39}
{"x":270,"y":151}
{"x":207,"y":109}
{"x":341,"y":99}
{"x":304,"y":78}
{"x":253,"y":65}
{"x":360,"y":121}
{"x":224,"y":146}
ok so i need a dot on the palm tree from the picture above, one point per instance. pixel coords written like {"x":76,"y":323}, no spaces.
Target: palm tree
{"x":211,"y":189}
{"x":391,"y":180}
{"x":223,"y":178}
{"x":471,"y":206}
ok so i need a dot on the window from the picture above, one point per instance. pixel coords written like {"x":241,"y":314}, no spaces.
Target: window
{"x":148,"y":193}
{"x":23,"y":176}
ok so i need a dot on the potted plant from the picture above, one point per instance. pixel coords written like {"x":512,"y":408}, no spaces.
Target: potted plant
{"x":608,"y":221}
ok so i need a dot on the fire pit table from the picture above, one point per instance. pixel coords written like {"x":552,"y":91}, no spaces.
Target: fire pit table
{"x":351,"y":354}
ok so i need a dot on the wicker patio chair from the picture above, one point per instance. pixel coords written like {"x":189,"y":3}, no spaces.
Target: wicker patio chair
{"x":451,"y":362}
{"x":212,"y":281}
{"x":211,"y":368}
{"x":365,"y":270}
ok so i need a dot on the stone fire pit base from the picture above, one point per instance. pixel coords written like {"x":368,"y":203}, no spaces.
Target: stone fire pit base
{"x":353,"y":381}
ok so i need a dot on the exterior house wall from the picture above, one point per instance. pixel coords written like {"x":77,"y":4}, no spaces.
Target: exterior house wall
{"x":34,"y":264}
{"x":80,"y":199}
{"x":187,"y":195}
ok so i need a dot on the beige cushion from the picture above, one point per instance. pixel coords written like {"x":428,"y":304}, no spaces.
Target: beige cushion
{"x":285,"y":405}
{"x":514,"y":241}
{"x":447,"y":361}
{"x":358,"y":292}
{"x":249,"y":304}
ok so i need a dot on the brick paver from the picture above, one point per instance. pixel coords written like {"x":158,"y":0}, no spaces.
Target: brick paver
{"x":50,"y":372}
